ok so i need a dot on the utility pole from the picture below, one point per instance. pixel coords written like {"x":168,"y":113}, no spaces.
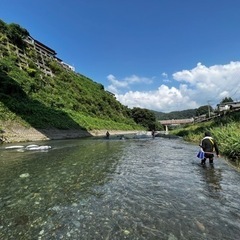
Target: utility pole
{"x":209,"y":108}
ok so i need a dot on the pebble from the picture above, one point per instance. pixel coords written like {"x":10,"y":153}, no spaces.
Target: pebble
{"x":24,"y":175}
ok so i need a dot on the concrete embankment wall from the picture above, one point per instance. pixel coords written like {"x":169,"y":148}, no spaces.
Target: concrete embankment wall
{"x":18,"y":133}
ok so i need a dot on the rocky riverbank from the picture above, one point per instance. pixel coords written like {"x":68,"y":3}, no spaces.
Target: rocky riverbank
{"x":19,"y":133}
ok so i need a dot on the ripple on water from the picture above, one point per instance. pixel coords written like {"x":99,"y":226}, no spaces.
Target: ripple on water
{"x":133,"y":189}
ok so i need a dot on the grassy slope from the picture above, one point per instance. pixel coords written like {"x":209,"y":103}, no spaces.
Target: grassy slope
{"x":68,"y":100}
{"x":225,"y":130}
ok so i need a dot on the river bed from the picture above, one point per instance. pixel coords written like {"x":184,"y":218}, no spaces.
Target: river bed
{"x":96,"y":188}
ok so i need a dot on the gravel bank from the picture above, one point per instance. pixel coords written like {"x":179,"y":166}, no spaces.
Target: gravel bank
{"x":19,"y":133}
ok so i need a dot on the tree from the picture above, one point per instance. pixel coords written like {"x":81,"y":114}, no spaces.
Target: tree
{"x":3,"y":27}
{"x":226,"y":99}
{"x":146,"y":118}
{"x":16,"y":34}
{"x":204,"y":110}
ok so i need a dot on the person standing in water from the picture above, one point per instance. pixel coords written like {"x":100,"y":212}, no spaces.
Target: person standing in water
{"x":107,"y":134}
{"x":208,"y":144}
{"x":153,"y":133}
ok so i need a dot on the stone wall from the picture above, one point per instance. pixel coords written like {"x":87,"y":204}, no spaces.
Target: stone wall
{"x":18,"y":133}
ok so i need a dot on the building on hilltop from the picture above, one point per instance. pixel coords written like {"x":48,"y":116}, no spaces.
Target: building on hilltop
{"x":65,"y":65}
{"x":36,"y":52}
{"x":46,"y":53}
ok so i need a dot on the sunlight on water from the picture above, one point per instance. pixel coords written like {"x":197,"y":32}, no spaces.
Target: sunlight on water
{"x":117,"y":189}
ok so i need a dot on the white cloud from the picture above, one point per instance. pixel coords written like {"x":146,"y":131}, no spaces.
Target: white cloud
{"x":164,"y":75}
{"x":193,"y":88}
{"x":165,"y":78}
{"x":163,"y":99}
{"x":214,"y":79}
{"x":116,"y":85}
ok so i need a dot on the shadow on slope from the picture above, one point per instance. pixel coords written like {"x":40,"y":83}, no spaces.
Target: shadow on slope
{"x":35,"y":113}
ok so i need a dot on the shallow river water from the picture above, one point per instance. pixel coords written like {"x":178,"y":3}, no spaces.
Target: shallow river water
{"x":117,"y":189}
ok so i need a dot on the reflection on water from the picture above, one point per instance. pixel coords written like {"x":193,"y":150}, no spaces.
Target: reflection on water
{"x":212,"y":177}
{"x":117,"y":189}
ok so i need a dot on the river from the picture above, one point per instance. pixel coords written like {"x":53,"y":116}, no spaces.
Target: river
{"x":137,"y":188}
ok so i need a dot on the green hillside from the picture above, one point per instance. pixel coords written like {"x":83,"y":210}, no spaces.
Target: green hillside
{"x":176,"y":114}
{"x":66,"y":100}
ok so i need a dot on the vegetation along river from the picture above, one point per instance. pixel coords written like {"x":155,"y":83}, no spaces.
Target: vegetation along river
{"x":117,"y":189}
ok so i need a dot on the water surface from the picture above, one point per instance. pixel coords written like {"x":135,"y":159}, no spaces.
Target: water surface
{"x":117,"y":189}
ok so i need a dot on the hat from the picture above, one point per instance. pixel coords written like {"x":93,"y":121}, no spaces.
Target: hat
{"x":207,"y":134}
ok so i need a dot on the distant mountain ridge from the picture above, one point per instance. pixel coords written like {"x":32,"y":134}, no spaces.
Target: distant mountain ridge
{"x":190,"y":113}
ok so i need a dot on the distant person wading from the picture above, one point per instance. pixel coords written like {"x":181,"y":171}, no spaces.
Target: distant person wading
{"x":107,"y":135}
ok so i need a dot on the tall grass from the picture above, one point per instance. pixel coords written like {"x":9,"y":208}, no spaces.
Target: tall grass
{"x":226,"y":133}
{"x":228,"y":137}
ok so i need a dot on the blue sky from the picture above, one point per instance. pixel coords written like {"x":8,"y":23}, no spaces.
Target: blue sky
{"x":164,"y":55}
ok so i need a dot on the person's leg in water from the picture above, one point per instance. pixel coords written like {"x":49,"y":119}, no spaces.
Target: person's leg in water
{"x":203,"y":162}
